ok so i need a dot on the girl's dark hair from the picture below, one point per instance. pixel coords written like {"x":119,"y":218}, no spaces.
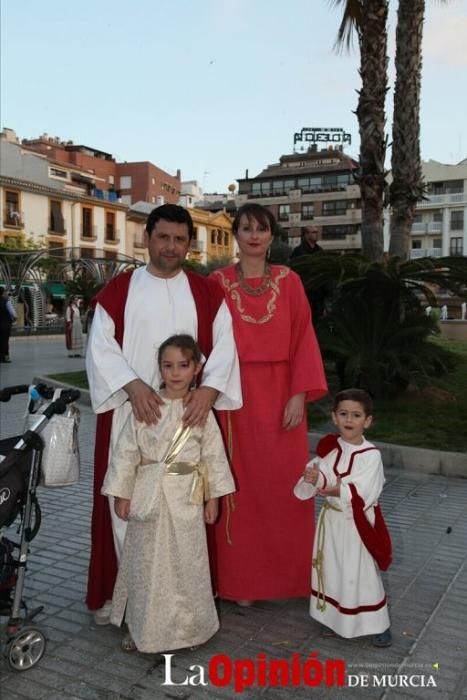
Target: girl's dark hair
{"x":357,"y":395}
{"x":255,"y":211}
{"x":186,"y":343}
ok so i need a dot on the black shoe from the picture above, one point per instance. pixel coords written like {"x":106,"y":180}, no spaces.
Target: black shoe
{"x":382,"y":640}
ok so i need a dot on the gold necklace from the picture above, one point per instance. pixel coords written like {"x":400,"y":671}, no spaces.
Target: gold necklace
{"x":254,"y":291}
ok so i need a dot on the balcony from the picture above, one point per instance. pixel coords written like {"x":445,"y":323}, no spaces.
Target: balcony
{"x":108,"y":196}
{"x":437,"y":199}
{"x":13,"y":219}
{"x":89,"y":233}
{"x":425,"y":253}
{"x":57,"y":231}
{"x":429,"y":227}
{"x":112,"y":236}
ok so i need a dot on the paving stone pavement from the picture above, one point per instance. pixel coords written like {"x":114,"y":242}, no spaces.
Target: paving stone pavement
{"x":426,"y":585}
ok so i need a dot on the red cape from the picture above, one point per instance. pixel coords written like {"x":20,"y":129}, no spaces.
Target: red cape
{"x":376,"y":538}
{"x":103,"y":563}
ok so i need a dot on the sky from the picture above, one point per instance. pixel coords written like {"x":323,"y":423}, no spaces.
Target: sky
{"x":210,"y":87}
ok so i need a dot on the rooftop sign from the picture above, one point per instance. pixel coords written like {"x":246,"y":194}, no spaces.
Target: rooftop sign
{"x":317,"y":134}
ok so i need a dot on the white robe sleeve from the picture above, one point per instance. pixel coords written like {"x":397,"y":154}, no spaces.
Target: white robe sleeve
{"x":222,"y":370}
{"x":121,"y":473}
{"x":368,"y":478}
{"x":107,"y":368}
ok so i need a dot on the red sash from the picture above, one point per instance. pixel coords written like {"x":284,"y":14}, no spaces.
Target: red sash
{"x":376,"y":538}
{"x":208,"y":297}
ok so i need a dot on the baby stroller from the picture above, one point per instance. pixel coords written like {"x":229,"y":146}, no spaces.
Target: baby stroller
{"x":23,"y":643}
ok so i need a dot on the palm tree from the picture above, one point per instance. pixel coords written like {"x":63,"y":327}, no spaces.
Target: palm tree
{"x":407,"y":185}
{"x":368,"y":18}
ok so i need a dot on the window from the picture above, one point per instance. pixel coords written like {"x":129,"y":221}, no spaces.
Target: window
{"x":416,"y":245}
{"x":58,"y":248}
{"x":110,"y":226}
{"x":437,"y":242}
{"x":417,"y":219}
{"x":226,"y":239}
{"x":12,"y":209}
{"x":284,"y":212}
{"x":153,"y":180}
{"x":457,"y":220}
{"x":153,"y":200}
{"x":337,"y":233}
{"x":438,"y":216}
{"x":125,"y":182}
{"x":111,"y":180}
{"x":213,"y":238}
{"x":86,"y":222}
{"x":277,"y":187}
{"x":126,"y":199}
{"x":308,"y":211}
{"x":336,"y":208}
{"x":219,"y":238}
{"x":455,"y":246}
{"x":56,"y":223}
{"x":55,"y":172}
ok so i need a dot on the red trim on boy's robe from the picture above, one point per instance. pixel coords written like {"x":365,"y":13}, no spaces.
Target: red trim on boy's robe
{"x":376,"y":538}
{"x":103,"y":565}
{"x":350,"y":611}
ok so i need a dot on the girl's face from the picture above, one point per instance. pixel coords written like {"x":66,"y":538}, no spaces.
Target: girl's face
{"x":178,"y":371}
{"x":351,"y":421}
{"x":253,"y":238}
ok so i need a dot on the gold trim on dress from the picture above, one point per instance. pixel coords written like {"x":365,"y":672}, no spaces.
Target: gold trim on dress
{"x":233,"y":289}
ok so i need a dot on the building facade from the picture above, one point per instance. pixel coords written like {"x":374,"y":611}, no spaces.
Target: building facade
{"x":440,"y":223}
{"x":312,"y":188}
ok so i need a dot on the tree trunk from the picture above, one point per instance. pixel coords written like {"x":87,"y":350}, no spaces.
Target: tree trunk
{"x":407,"y":186}
{"x":371,"y":119}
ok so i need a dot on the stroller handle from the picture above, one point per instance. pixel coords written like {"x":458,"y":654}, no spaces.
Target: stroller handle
{"x":59,"y":405}
{"x":9,"y":391}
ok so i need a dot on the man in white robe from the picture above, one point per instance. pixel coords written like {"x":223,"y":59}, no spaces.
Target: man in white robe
{"x":158,"y":301}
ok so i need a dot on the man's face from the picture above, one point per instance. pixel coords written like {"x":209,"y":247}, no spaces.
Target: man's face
{"x":311,"y":236}
{"x":167,"y":247}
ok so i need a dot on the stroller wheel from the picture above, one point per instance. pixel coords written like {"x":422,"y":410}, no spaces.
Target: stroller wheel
{"x":26,"y":648}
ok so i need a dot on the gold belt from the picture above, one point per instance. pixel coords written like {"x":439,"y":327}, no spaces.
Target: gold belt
{"x":318,"y":559}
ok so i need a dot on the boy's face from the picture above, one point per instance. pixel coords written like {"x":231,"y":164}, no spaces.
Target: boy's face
{"x":178,"y":371}
{"x":351,"y":421}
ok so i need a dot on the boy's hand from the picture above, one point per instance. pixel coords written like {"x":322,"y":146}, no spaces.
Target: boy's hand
{"x":211,"y":511}
{"x":311,"y":474}
{"x":122,"y":507}
{"x":331,"y":490}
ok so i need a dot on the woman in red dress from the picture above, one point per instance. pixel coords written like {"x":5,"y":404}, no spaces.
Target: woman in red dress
{"x":263,"y":538}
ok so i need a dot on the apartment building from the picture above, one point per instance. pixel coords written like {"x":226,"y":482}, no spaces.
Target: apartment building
{"x":440,"y":223}
{"x":130,"y":182}
{"x":54,"y":206}
{"x":312,"y":188}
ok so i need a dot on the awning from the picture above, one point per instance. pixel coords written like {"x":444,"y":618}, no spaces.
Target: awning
{"x":55,"y":289}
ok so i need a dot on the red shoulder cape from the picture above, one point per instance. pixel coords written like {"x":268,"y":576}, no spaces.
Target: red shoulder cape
{"x":103,"y":563}
{"x":376,"y":538}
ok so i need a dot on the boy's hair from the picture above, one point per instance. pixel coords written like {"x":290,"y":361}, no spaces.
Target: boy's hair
{"x":186,"y":343}
{"x":357,"y":395}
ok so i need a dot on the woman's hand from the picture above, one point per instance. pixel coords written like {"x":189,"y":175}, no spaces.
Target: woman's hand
{"x":294,"y":410}
{"x":122,"y":507}
{"x":211,"y":511}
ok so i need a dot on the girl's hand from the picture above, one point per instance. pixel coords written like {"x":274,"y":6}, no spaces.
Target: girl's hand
{"x":122,"y":507}
{"x":211,"y":511}
{"x":293,"y":413}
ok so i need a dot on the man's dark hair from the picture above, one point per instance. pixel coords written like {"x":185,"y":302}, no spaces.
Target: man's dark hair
{"x":357,"y":395}
{"x":170,"y":212}
{"x":255,"y":211}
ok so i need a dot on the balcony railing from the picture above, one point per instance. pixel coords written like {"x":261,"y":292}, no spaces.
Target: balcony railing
{"x":14,"y":219}
{"x":436,"y":199}
{"x":89,"y":233}
{"x":425,"y":253}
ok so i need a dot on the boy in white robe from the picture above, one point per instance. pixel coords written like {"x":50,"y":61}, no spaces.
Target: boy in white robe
{"x":160,"y":475}
{"x":348,"y":597}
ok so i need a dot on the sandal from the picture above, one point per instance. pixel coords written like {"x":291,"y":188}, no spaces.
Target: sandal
{"x":128,"y":643}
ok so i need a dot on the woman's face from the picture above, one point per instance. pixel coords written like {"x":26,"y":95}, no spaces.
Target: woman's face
{"x":253,"y":238}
